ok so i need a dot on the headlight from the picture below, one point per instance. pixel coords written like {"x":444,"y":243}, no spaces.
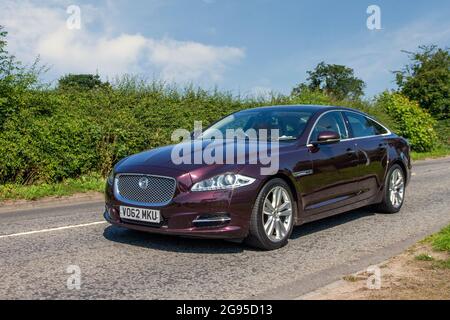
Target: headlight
{"x":223,"y":182}
{"x":111,"y":177}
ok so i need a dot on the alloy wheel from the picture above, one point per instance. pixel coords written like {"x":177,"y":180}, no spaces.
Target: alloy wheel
{"x":277,"y":214}
{"x":396,"y":188}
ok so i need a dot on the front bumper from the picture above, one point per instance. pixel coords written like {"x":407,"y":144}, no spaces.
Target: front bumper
{"x":225,"y":232}
{"x":181,"y":216}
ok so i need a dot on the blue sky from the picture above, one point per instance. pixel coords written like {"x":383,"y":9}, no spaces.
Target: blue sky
{"x":247,"y":46}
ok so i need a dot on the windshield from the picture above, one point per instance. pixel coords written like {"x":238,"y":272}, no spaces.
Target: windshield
{"x":289,"y":123}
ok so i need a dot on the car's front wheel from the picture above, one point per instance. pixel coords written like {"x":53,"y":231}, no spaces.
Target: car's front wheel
{"x":272,"y":218}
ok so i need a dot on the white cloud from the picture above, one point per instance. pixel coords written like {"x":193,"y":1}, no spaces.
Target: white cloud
{"x":40,"y":29}
{"x":192,"y":59}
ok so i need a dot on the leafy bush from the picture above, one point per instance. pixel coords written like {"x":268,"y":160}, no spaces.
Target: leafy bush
{"x":318,"y":97}
{"x":85,"y":126}
{"x":56,"y":134}
{"x":443,"y":130}
{"x":412,"y":122}
{"x":309,"y":96}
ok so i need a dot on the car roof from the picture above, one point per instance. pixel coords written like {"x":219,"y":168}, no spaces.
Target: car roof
{"x":302,"y":107}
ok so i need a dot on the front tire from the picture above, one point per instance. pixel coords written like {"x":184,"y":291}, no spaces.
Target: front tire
{"x":273,"y":215}
{"x":394,"y":191}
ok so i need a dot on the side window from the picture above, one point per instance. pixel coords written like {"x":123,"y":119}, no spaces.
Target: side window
{"x":331,"y":121}
{"x":363,"y":126}
{"x":379,"y":129}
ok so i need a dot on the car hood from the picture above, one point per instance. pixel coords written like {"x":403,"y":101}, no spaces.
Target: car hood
{"x":160,"y":159}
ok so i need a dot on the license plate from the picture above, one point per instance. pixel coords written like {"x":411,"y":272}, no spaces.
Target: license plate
{"x":140,"y":214}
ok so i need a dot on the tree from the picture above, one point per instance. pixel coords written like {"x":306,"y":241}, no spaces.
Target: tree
{"x":337,"y":81}
{"x":427,"y":79}
{"x":15,"y":79}
{"x":81,"y":82}
{"x":7,"y":61}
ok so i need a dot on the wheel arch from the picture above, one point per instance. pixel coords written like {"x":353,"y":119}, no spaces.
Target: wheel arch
{"x":291,"y":183}
{"x":402,"y":165}
{"x":399,"y":153}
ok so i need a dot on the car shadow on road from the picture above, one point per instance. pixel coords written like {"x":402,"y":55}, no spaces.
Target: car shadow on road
{"x":171,"y":243}
{"x":330,"y":222}
{"x":214,"y":246}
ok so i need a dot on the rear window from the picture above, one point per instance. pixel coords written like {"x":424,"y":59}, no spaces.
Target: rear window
{"x":363,"y":126}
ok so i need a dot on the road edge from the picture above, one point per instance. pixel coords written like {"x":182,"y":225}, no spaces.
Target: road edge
{"x":51,"y":202}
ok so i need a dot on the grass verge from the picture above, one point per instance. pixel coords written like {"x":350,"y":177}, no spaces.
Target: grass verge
{"x":441,"y":240}
{"x":441,"y":151}
{"x":91,"y":182}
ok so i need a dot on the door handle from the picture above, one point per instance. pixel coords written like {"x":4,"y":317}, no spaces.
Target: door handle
{"x":350,"y":151}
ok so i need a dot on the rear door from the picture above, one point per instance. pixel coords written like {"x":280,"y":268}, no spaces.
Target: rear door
{"x":370,"y":143}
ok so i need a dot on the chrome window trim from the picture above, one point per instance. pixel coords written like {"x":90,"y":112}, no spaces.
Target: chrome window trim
{"x":119,"y":197}
{"x":388,"y":133}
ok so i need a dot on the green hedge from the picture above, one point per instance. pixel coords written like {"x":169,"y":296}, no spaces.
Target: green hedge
{"x":412,"y":122}
{"x":57,"y":134}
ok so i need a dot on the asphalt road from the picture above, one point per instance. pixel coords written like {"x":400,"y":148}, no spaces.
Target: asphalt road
{"x":37,"y":246}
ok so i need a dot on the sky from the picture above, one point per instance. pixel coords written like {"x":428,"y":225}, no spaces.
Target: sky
{"x":245,"y":46}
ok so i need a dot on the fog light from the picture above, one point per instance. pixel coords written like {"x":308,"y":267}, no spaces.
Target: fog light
{"x":112,"y":212}
{"x":211,"y":220}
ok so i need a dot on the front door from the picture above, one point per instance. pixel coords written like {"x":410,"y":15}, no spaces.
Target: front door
{"x":333,"y":182}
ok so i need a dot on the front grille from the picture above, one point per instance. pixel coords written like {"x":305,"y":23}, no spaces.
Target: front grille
{"x":145,"y":189}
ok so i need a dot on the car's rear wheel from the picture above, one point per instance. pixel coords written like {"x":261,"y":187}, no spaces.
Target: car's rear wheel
{"x":272,"y":217}
{"x":394,"y":190}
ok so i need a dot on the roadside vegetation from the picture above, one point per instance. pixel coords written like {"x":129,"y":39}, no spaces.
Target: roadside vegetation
{"x":67,"y":187}
{"x":438,"y":250}
{"x":420,"y":273}
{"x":435,"y":251}
{"x":441,"y":240}
{"x":64,"y":138}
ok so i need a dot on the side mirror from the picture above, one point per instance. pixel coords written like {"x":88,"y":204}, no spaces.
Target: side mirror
{"x":328,"y":137}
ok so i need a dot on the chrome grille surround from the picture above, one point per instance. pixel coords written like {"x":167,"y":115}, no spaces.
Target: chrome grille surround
{"x":160,"y":190}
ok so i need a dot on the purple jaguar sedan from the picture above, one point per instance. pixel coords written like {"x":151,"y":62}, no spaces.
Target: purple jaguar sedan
{"x":324,"y":161}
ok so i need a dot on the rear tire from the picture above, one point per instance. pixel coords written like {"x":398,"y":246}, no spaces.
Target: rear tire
{"x":394,"y":191}
{"x":273,"y":216}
